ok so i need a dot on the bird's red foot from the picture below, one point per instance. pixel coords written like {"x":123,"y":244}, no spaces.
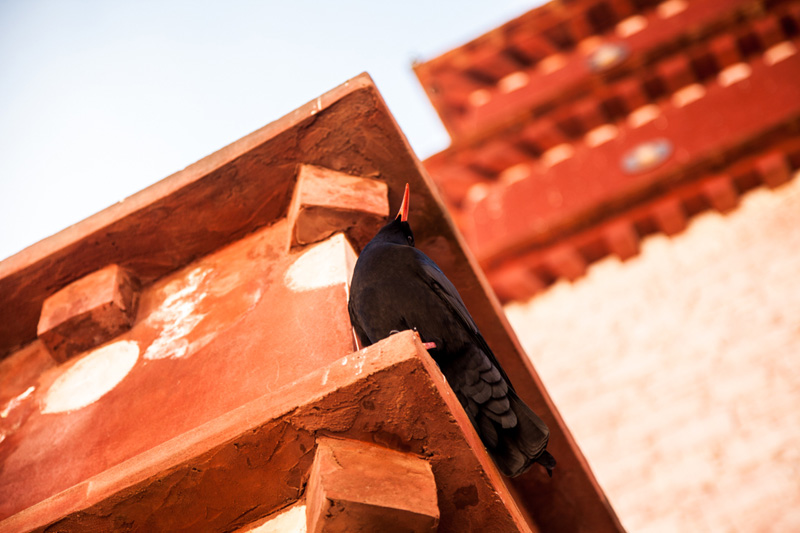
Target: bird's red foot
{"x":429,"y":345}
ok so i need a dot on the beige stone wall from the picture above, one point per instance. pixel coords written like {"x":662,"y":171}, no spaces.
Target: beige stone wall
{"x":679,"y":370}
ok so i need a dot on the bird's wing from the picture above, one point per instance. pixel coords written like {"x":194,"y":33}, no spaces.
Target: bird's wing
{"x":514,"y":434}
{"x":445,"y":289}
{"x":363,"y":338}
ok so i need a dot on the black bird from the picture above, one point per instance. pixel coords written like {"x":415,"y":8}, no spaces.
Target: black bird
{"x":396,"y":287}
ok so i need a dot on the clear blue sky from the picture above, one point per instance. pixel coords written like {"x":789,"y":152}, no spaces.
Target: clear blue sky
{"x":99,"y":99}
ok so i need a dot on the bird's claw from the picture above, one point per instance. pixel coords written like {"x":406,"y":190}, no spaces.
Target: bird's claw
{"x":426,"y":345}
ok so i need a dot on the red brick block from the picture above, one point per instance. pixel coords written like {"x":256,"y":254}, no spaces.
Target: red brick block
{"x":676,"y":72}
{"x":774,"y":169}
{"x":491,"y":63}
{"x":622,"y":8}
{"x":496,"y":156}
{"x":356,"y":486}
{"x":670,"y":216}
{"x":588,"y":114}
{"x":531,"y":45}
{"x":514,"y":282}
{"x":721,"y":194}
{"x":541,"y":135}
{"x":769,"y":32}
{"x":630,"y":93}
{"x":89,"y":312}
{"x":454,"y":180}
{"x":454,"y":87}
{"x":565,"y":261}
{"x":577,"y":29}
{"x":704,"y":64}
{"x":326,"y":201}
{"x":622,"y":239}
{"x":725,"y":51}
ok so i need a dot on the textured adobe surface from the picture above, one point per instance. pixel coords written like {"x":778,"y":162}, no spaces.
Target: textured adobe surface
{"x":255,"y":459}
{"x":208,"y":339}
{"x":226,"y":317}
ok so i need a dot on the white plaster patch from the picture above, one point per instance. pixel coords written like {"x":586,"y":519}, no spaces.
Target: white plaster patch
{"x":601,"y":135}
{"x":292,"y":520}
{"x":670,"y":8}
{"x":91,"y":378}
{"x":177,"y":317}
{"x":477,"y":192}
{"x":734,"y":74}
{"x":512,"y":174}
{"x":779,"y":52}
{"x":360,"y":366}
{"x":479,"y":98}
{"x":557,"y":154}
{"x":687,"y":95}
{"x":512,"y":82}
{"x":643,"y":115}
{"x":328,"y":263}
{"x":255,"y":298}
{"x":551,"y":63}
{"x":15,"y":401}
{"x":631,"y":26}
{"x":225,"y":284}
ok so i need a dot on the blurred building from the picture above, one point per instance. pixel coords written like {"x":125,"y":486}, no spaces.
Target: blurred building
{"x":623,"y":172}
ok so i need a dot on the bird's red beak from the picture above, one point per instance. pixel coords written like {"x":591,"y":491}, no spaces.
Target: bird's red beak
{"x":403,"y":213}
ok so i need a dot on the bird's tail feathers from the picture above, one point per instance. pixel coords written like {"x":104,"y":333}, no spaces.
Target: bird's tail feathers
{"x":521,"y":446}
{"x":547,"y":461}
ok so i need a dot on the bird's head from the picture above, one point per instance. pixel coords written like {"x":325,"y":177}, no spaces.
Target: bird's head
{"x":398,"y":231}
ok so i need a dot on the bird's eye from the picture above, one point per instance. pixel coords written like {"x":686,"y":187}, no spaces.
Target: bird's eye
{"x":410,"y":240}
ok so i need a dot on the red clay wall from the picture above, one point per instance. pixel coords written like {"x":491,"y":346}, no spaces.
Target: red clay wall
{"x":209,"y":338}
{"x":678,"y":370}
